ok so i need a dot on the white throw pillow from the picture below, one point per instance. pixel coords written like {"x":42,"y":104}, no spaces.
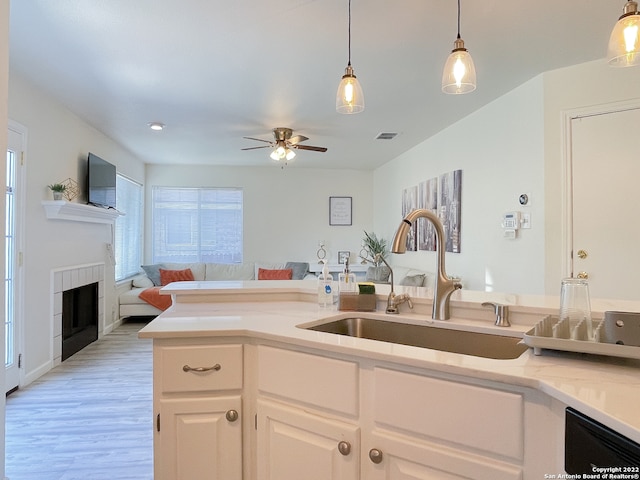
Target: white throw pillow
{"x":229,"y":271}
{"x":141,"y":281}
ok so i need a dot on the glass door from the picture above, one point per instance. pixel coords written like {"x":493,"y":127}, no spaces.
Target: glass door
{"x":12,"y":260}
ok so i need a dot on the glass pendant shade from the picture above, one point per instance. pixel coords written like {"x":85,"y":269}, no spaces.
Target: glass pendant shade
{"x":624,"y":43}
{"x":459,"y":75}
{"x":349,"y":98}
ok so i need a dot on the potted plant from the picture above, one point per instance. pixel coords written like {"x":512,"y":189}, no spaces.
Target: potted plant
{"x":374,"y":246}
{"x":57,"y":189}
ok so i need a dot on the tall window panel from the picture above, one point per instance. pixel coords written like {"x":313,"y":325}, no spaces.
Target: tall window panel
{"x":128,"y":231}
{"x":197,"y":225}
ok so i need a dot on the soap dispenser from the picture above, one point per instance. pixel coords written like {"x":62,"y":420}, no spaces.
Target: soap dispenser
{"x":325,"y":287}
{"x":347,"y":280}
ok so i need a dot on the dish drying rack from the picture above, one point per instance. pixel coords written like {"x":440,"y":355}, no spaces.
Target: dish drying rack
{"x":555,"y":334}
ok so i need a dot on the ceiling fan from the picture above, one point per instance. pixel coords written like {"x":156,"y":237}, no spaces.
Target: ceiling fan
{"x":283,"y":144}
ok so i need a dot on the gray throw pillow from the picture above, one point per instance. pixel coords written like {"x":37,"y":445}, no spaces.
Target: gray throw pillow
{"x":413,"y":280}
{"x":153,"y":272}
{"x":378,"y":274}
{"x":300,"y":269}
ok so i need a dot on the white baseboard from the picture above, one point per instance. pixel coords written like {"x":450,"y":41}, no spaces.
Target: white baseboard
{"x":35,"y":374}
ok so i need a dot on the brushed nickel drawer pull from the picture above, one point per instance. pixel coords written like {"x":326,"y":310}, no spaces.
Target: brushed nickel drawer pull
{"x":187,"y":368}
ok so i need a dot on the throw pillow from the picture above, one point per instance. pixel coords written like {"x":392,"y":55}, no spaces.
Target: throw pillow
{"x":300,"y":269}
{"x":413,"y":280}
{"x":285,"y":274}
{"x":168,"y":276}
{"x":141,"y":281}
{"x":153,"y":272}
{"x":378,"y":274}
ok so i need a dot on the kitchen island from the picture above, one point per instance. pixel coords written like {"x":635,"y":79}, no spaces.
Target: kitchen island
{"x":232,"y":362}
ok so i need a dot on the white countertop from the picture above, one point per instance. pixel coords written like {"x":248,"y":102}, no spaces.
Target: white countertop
{"x":605,"y":388}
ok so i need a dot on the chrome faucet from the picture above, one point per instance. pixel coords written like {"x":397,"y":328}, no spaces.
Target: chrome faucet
{"x":444,"y":286}
{"x":393,"y":300}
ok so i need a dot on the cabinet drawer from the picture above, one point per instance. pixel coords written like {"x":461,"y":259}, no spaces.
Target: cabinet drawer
{"x":476,"y":417}
{"x":220,"y":365}
{"x":323,"y":382}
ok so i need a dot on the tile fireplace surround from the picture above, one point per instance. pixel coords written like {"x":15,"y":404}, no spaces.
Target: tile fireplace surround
{"x":67,"y":278}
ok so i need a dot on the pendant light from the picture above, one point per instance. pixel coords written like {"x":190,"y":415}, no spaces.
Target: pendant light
{"x":624,"y":43}
{"x":459,"y":74}
{"x":349,"y":98}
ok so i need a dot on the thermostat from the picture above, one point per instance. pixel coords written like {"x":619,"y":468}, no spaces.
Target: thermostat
{"x":511,"y":221}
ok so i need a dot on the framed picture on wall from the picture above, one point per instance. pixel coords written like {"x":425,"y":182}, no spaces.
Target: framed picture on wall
{"x":340,"y":210}
{"x":343,"y":256}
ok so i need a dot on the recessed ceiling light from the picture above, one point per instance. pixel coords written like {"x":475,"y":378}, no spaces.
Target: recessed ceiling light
{"x":157,"y":126}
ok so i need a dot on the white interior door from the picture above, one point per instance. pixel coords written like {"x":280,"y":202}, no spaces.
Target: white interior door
{"x":606,"y":218}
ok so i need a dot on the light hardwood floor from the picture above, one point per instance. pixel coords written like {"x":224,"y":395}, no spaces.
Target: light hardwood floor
{"x":89,"y":418}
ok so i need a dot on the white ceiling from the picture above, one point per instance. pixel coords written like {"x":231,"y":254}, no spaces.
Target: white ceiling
{"x":216,"y":71}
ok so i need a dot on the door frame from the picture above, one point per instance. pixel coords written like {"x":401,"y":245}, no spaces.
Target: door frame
{"x":567,"y":169}
{"x":18,"y":281}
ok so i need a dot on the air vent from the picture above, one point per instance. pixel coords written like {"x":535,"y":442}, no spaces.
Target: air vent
{"x":386,"y":136}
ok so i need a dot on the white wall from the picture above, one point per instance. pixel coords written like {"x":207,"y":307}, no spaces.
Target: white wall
{"x":57,"y":147}
{"x":500,"y":150}
{"x":286,"y":211}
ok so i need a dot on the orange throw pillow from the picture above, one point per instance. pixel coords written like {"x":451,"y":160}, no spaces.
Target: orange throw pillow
{"x":168,"y":276}
{"x":264,"y":274}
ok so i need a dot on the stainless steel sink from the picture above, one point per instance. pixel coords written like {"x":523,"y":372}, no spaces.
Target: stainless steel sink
{"x":426,"y":336}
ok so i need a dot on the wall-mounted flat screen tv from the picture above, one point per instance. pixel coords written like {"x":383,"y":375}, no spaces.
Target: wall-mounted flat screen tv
{"x":101,"y":182}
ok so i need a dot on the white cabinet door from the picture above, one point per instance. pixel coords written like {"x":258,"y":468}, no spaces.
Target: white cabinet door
{"x":200,"y":438}
{"x":296,"y":445}
{"x":409,"y":459}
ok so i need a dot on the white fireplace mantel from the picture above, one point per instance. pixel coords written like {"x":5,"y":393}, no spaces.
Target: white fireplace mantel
{"x":78,"y":212}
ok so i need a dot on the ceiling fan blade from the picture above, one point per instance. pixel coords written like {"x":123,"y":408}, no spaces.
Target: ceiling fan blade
{"x":253,"y":148}
{"x":309,"y":147}
{"x":298,"y":139}
{"x":258,"y":139}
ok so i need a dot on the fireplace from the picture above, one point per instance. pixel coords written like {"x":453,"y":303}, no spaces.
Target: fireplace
{"x":69,"y":278}
{"x":79,"y":318}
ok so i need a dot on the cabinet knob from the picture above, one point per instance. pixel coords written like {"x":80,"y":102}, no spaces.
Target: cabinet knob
{"x":584,"y":275}
{"x":375,"y":455}
{"x":232,"y":415}
{"x":344,"y":448}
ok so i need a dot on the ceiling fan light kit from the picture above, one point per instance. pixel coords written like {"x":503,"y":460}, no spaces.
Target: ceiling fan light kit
{"x":284,"y":144}
{"x":349,"y":98}
{"x":459,"y":75}
{"x":624,"y":42}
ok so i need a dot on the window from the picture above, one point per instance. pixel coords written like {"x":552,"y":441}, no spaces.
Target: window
{"x":128,"y":232}
{"x":197,"y":225}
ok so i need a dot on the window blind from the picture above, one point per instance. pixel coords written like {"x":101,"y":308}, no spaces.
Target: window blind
{"x":197,"y":225}
{"x":128,"y":228}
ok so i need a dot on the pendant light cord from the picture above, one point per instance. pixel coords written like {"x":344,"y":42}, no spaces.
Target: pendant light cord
{"x":349,"y":32}
{"x":458,"y":18}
